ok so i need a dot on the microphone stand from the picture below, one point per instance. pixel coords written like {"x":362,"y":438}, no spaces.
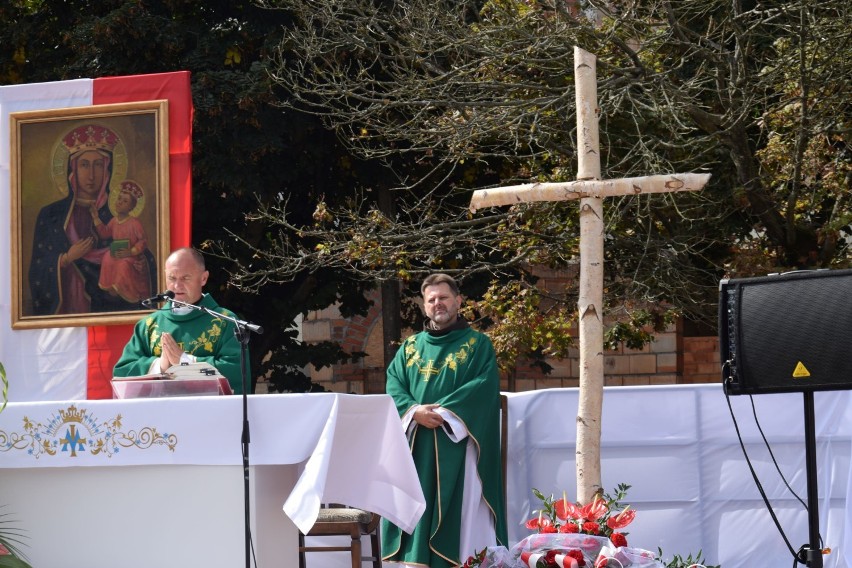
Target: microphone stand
{"x":240,"y":332}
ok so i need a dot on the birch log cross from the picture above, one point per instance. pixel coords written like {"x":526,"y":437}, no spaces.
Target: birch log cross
{"x":590,"y":190}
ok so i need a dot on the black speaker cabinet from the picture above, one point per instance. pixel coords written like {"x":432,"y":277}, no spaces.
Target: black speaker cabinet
{"x":789,"y":332}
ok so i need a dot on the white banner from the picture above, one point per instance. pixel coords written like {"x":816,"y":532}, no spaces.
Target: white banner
{"x":41,"y":364}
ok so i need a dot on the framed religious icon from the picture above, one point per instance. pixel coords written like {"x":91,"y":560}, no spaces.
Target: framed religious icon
{"x":90,"y":215}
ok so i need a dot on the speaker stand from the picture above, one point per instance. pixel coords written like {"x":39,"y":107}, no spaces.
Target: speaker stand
{"x":813,"y":555}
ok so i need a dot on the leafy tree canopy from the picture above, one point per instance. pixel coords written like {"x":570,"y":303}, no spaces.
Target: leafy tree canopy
{"x":454,"y":96}
{"x":336,"y":144}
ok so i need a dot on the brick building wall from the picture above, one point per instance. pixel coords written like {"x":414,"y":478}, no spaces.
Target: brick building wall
{"x":671,"y":358}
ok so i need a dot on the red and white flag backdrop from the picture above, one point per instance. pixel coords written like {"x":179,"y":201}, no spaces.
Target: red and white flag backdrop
{"x":74,"y":363}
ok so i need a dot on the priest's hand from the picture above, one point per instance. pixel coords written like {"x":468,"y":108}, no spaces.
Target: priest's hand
{"x":171,"y":352}
{"x":425,"y":415}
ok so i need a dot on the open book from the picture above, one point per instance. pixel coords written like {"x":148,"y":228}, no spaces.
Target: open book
{"x":181,"y":371}
{"x":197,"y":378}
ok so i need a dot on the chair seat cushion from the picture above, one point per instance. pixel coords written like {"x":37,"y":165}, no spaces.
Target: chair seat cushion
{"x":344,"y":515}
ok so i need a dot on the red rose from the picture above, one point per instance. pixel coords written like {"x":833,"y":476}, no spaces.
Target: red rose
{"x":548,"y":528}
{"x":578,"y":556}
{"x":618,"y":539}
{"x":591,"y":527}
{"x":550,"y":558}
{"x":569,"y":528}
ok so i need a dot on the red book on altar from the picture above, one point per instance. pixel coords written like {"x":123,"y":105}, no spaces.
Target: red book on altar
{"x":188,"y":379}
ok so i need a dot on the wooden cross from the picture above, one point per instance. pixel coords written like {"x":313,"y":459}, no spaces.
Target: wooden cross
{"x":590,"y":190}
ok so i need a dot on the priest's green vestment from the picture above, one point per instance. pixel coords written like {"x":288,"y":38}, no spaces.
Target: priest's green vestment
{"x":457,"y":370}
{"x":207,"y":338}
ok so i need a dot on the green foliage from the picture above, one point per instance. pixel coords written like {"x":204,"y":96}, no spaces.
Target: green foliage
{"x":285,"y":368}
{"x":11,"y":539}
{"x":11,"y":561}
{"x":520,"y":324}
{"x":637,"y":331}
{"x":690,"y":86}
{"x":5,"y":387}
{"x":679,"y":562}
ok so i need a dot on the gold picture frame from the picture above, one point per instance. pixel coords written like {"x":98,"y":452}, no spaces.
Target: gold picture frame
{"x":90,"y":213}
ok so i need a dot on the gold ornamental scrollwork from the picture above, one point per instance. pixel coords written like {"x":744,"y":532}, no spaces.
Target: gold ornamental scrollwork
{"x":73,"y":431}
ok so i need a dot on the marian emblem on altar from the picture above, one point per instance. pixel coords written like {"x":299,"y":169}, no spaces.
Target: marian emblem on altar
{"x":72,"y":432}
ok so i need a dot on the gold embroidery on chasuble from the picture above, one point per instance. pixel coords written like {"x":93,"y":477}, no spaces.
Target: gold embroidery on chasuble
{"x":153,"y":337}
{"x":429,"y":368}
{"x":202,"y":345}
{"x":204,"y":342}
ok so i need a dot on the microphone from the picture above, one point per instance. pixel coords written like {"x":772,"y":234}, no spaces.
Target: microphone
{"x":167,"y":295}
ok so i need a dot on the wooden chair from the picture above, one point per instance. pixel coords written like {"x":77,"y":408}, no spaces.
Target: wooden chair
{"x":339,"y":520}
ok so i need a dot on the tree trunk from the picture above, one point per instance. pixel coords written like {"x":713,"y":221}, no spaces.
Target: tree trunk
{"x":391,"y":298}
{"x":590,"y":302}
{"x":391,"y":328}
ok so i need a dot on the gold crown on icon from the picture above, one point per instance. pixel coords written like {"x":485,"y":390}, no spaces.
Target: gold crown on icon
{"x":90,"y":137}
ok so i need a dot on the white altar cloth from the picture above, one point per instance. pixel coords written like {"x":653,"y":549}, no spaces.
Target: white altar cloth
{"x":337,"y":448}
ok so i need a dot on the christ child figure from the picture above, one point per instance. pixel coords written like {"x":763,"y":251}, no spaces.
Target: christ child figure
{"x":124,"y":270}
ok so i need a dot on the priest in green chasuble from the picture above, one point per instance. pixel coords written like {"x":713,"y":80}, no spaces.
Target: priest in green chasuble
{"x":445,"y":383}
{"x":177,"y":334}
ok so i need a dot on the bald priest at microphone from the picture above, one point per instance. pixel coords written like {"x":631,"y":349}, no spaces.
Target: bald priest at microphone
{"x":176,"y":334}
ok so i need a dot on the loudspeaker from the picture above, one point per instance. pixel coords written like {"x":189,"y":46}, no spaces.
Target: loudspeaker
{"x":788,"y":332}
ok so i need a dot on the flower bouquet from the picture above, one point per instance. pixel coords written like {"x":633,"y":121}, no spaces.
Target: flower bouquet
{"x":571,"y":535}
{"x":604,"y":516}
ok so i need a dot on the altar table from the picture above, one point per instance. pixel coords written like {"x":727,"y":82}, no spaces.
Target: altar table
{"x":159,"y":482}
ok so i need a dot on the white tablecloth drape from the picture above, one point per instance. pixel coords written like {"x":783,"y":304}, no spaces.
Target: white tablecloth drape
{"x":387,"y":481}
{"x":351,"y":447}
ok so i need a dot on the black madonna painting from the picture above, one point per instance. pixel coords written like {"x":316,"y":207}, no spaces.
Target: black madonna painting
{"x":90,"y":213}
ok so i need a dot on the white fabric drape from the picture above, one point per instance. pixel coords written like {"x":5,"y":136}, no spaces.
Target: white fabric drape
{"x":691,"y":487}
{"x":42,"y":364}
